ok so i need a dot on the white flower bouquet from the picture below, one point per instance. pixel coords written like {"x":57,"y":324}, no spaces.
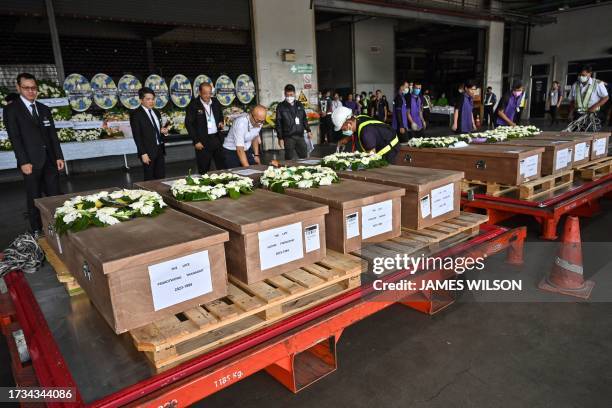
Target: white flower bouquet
{"x":447,"y":141}
{"x":65,"y":135}
{"x":278,"y":179}
{"x":106,"y":208}
{"x":3,"y":94}
{"x":5,"y":144}
{"x":210,"y":187}
{"x":49,"y":89}
{"x":86,"y":135}
{"x":353,"y":161}
{"x":516,"y":132}
{"x":175,"y":120}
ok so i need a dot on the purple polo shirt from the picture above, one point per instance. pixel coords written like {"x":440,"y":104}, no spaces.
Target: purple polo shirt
{"x":416,"y":106}
{"x":510,"y":109}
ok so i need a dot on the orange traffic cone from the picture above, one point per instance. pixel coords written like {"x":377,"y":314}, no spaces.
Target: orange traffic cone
{"x":567,"y":275}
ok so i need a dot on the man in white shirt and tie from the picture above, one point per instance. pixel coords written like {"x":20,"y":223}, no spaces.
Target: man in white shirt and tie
{"x":149,"y":134}
{"x":31,"y":129}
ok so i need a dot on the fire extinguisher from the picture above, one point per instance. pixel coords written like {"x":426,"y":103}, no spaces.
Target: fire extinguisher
{"x":477,"y":121}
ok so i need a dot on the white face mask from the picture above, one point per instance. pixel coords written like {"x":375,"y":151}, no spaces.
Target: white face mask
{"x":290,"y":99}
{"x":583,"y":78}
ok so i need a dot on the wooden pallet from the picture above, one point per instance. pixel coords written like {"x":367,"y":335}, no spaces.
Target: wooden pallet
{"x":486,"y":187}
{"x":427,"y":240}
{"x":595,"y":169}
{"x":246,"y":309}
{"x":526,"y":191}
{"x":63,"y":274}
{"x":544,"y":185}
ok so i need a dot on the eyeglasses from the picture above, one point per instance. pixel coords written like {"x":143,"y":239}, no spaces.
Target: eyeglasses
{"x":256,"y":122}
{"x":29,"y":88}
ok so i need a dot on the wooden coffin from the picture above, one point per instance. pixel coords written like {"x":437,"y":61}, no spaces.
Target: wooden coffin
{"x":257,"y":223}
{"x":598,"y":142}
{"x":432,"y":195}
{"x":558,"y":154}
{"x":511,"y":165}
{"x":146,"y":269}
{"x":358,"y":212}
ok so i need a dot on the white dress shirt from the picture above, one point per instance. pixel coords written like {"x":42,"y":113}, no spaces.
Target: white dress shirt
{"x":242,"y":133}
{"x":28,"y":104}
{"x":151,"y":112}
{"x":210,"y":117}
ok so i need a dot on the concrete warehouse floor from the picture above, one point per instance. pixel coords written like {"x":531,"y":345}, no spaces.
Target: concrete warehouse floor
{"x":474,"y":354}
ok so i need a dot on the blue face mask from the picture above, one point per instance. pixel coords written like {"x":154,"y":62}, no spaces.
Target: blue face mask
{"x":347,"y":132}
{"x":416,"y":91}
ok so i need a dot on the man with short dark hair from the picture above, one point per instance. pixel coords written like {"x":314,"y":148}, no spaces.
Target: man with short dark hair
{"x":204,"y":122}
{"x":149,"y":133}
{"x":380,"y":107}
{"x":325,"y":107}
{"x":588,"y":94}
{"x":555,"y":98}
{"x":415,"y":111}
{"x":508,"y":108}
{"x":291,"y":122}
{"x":490,"y":99}
{"x":31,"y":129}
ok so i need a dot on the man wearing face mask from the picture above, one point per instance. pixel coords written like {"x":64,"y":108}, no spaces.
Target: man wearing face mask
{"x":400,"y":112}
{"x":588,"y":94}
{"x":241,"y":146}
{"x":507,"y":110}
{"x":415,"y":111}
{"x":366,"y":134}
{"x":463,"y":116}
{"x":291,"y":122}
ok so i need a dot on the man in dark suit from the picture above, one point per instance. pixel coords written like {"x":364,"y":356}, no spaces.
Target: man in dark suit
{"x":149,"y":135}
{"x":204,"y":122}
{"x":37,"y":149}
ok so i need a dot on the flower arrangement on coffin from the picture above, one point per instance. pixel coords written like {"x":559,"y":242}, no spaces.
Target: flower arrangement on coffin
{"x":500,"y":134}
{"x":5,"y":145}
{"x":49,"y":89}
{"x":278,"y":179}
{"x":106,"y":208}
{"x":353,"y":161}
{"x":433,"y":142}
{"x":210,"y":187}
{"x":515,"y":132}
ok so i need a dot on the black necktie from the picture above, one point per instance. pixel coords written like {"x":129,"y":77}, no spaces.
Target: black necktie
{"x":157,"y":133}
{"x":35,"y":113}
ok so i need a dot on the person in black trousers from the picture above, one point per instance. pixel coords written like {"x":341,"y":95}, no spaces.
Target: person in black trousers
{"x":31,"y":129}
{"x":204,"y":122}
{"x":149,"y":135}
{"x":490,"y":99}
{"x":291,"y":122}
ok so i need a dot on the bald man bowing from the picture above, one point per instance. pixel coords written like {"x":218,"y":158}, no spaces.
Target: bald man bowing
{"x":241,"y":146}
